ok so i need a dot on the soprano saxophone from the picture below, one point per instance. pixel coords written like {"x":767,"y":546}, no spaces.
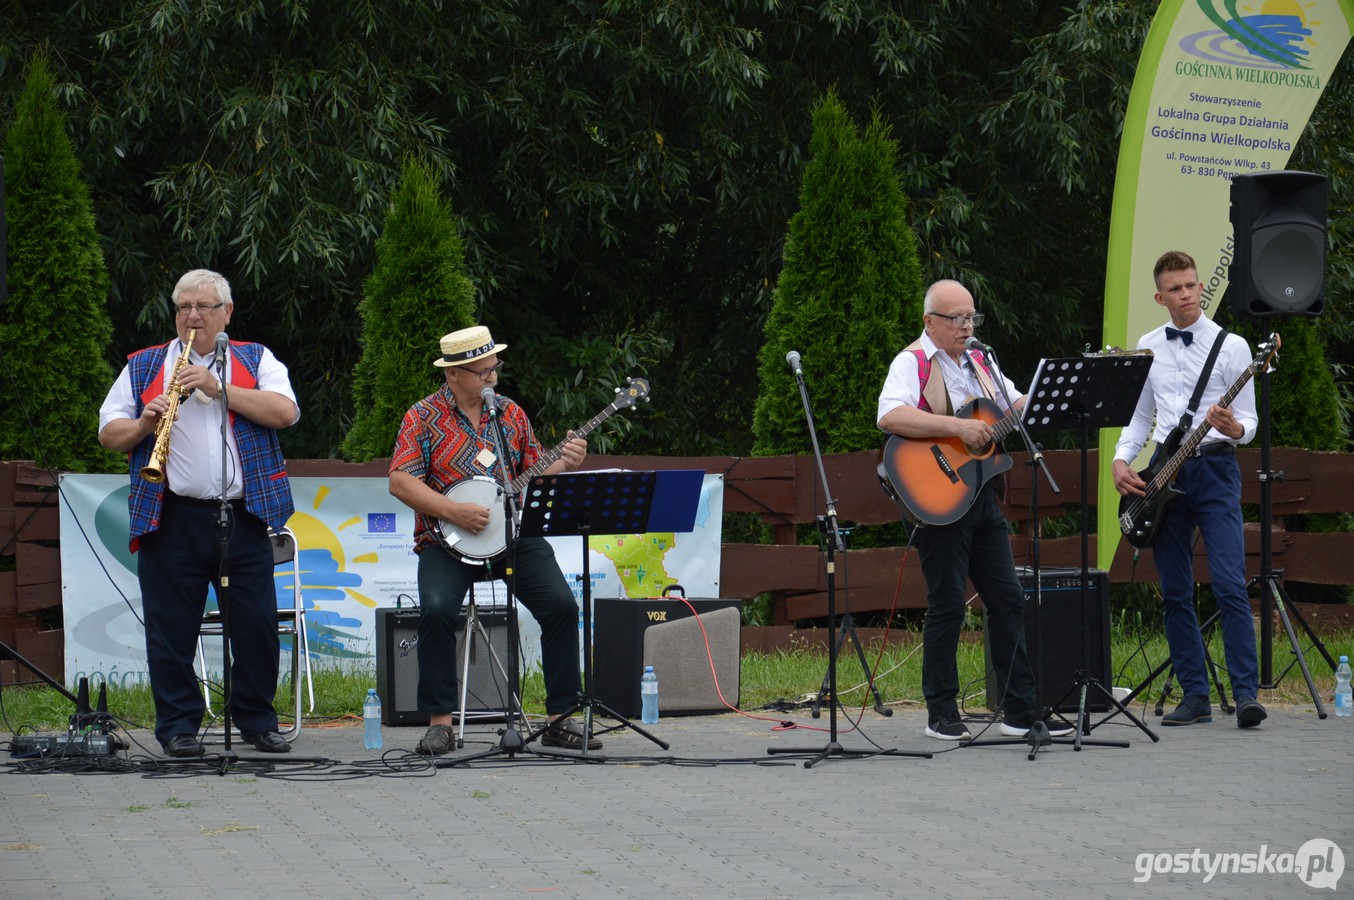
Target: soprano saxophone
{"x":154,"y":470}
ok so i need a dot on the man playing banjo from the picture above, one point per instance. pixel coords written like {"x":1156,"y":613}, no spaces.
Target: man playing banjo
{"x":445,"y":455}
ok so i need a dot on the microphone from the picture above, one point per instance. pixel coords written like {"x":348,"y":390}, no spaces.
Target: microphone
{"x":974,"y":344}
{"x":221,"y":341}
{"x":793,"y":359}
{"x":487,"y":395}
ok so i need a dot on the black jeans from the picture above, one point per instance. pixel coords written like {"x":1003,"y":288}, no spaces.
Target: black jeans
{"x":444,"y":582}
{"x":176,"y":563}
{"x":975,"y":547}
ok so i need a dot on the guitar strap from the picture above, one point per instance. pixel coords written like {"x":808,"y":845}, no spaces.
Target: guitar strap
{"x":1187,"y":417}
{"x":935,"y":393}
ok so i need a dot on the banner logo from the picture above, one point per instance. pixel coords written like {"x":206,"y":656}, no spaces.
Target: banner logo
{"x":1275,"y":37}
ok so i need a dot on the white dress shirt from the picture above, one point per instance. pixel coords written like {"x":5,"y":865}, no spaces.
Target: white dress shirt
{"x":902,"y":386}
{"x":194,"y":465}
{"x":1170,"y":385}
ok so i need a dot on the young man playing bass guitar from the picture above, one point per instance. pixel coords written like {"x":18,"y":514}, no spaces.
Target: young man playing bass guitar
{"x":1207,"y":491}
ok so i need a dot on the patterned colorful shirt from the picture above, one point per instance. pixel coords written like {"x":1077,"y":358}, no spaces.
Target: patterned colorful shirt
{"x":439,"y":445}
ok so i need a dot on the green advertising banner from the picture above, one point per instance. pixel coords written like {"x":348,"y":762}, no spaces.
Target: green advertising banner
{"x":1223,"y":88}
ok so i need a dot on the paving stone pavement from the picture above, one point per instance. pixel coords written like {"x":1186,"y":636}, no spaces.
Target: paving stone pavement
{"x":713,"y":816}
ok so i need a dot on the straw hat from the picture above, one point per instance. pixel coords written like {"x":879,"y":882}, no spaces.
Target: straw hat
{"x":467,"y":345}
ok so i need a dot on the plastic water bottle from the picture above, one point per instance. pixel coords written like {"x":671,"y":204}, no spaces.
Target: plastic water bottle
{"x":1344,"y":700}
{"x":648,"y":695}
{"x":371,"y":720}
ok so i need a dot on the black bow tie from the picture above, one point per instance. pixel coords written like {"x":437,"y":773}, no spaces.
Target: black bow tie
{"x":1173,"y":333}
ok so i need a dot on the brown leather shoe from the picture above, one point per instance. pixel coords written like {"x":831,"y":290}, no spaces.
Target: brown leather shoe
{"x":436,"y":741}
{"x":568,"y":734}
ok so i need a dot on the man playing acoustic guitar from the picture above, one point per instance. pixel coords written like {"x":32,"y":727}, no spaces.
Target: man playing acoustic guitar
{"x":1209,"y":486}
{"x":964,"y":535}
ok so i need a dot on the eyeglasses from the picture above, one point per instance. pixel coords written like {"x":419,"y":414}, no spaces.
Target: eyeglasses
{"x":484,"y":373}
{"x":185,"y":309}
{"x":963,"y":321}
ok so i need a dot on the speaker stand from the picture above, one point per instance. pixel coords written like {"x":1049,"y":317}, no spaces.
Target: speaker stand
{"x":848,"y":629}
{"x":1271,"y":594}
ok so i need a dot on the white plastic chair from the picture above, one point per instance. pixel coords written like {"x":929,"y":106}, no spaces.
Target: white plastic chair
{"x":291,"y":621}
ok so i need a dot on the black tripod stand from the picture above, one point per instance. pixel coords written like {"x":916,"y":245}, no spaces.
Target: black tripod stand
{"x":1272,"y":597}
{"x":832,"y":542}
{"x":603,"y":503}
{"x":1095,"y":390}
{"x":1167,"y":667}
{"x":847,"y":630}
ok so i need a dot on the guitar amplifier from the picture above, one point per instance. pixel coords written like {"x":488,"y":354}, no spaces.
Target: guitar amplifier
{"x":630,"y":633}
{"x":1059,"y":641}
{"x":487,"y":696}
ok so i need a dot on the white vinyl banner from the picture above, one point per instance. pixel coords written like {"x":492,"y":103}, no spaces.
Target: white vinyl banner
{"x":355,"y":544}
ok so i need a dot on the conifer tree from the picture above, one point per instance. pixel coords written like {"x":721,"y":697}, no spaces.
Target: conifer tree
{"x":850,"y":284}
{"x":55,"y":329}
{"x":418,"y":291}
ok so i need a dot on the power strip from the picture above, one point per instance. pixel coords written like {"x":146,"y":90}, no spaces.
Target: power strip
{"x":40,"y":745}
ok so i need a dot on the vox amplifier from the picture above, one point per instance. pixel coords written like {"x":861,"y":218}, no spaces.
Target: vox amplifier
{"x":631,"y":633}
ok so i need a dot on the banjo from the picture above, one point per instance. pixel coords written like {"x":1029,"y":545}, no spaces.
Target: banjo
{"x":487,"y":492}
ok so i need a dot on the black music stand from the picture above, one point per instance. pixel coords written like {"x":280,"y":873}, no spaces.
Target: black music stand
{"x":1084,"y":392}
{"x":602,"y":503}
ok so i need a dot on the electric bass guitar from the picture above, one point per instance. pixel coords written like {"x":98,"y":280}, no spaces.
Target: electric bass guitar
{"x":1141,"y":518}
{"x":487,"y":492}
{"x":934,"y":481}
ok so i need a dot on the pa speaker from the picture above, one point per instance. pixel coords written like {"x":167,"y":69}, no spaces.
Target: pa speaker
{"x":629,"y":634}
{"x":487,"y":694}
{"x":1056,"y":651}
{"x":1279,"y":261}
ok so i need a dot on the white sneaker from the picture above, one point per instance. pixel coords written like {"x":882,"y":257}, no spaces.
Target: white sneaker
{"x":1054,"y":730}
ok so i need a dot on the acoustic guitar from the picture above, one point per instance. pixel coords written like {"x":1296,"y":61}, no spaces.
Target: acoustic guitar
{"x":934,"y":481}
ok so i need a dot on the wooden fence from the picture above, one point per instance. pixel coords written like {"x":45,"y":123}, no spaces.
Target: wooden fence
{"x":784,"y":492}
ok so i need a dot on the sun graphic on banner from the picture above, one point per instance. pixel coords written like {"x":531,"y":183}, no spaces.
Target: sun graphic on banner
{"x":1275,"y":34}
{"x":324,"y":565}
{"x":1287,"y":9}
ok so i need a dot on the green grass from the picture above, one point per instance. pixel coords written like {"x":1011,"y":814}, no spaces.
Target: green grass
{"x":787,"y":676}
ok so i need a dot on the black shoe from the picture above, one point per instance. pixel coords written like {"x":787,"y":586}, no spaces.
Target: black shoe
{"x":183,"y":746}
{"x":1193,"y":710}
{"x":566,"y":733}
{"x":1249,"y":713}
{"x":267,"y":742}
{"x":949,"y":727}
{"x":436,"y":741}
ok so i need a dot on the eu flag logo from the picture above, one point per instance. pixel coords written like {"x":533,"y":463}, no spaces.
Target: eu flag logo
{"x":380,"y":523}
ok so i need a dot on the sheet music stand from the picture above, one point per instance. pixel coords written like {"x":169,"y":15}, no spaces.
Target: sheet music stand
{"x":603,"y":503}
{"x":1095,"y":390}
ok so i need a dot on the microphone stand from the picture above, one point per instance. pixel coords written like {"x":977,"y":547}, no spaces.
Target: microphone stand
{"x":1038,"y":735}
{"x":832,"y":542}
{"x":223,"y":561}
{"x":510,"y":741}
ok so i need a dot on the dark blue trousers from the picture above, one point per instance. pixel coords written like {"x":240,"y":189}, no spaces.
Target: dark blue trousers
{"x":1212,"y":503}
{"x":976,"y":547}
{"x":176,"y":563}
{"x":444,"y":582}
